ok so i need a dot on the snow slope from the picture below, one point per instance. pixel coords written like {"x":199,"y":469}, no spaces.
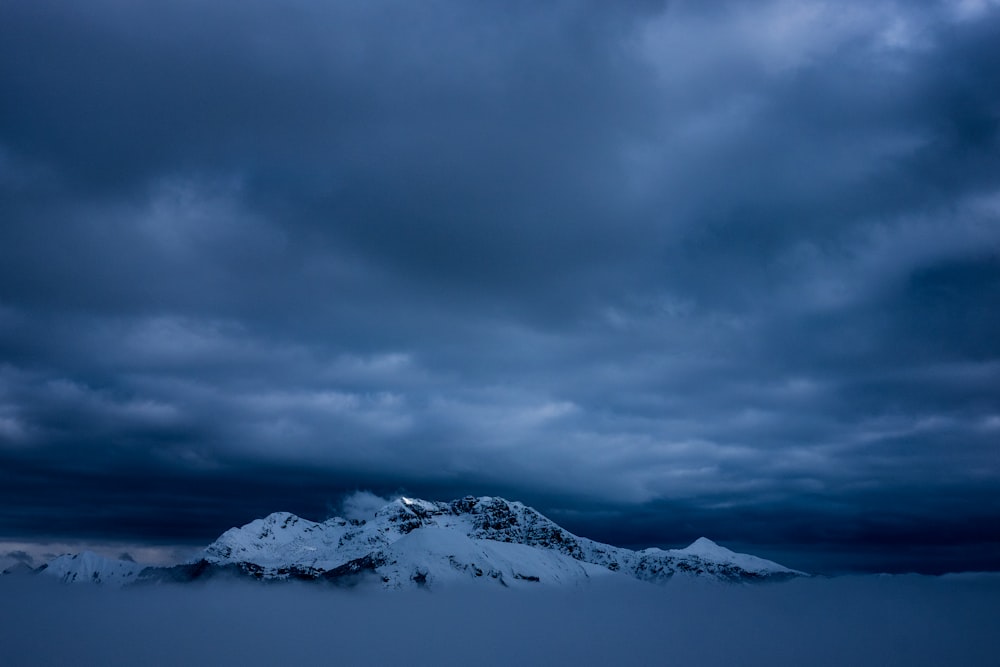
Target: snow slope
{"x":433,"y":556}
{"x":88,"y":567}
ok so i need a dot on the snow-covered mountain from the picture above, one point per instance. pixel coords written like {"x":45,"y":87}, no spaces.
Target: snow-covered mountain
{"x":413,"y":543}
{"x":91,"y":568}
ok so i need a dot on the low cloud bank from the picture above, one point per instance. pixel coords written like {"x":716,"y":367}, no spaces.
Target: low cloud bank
{"x":362,"y":505}
{"x":908,"y":620}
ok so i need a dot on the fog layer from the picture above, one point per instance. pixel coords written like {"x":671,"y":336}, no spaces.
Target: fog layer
{"x":846,"y":621}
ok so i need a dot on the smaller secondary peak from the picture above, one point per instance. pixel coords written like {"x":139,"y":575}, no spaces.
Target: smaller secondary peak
{"x":90,"y":567}
{"x":705,"y":545}
{"x":707,"y":550}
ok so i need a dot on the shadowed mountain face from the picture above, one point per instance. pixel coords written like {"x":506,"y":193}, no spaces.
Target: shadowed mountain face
{"x":411,"y":542}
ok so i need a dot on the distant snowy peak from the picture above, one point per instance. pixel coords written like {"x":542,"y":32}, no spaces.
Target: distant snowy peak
{"x":707,"y":550}
{"x":411,"y":541}
{"x":19,"y":569}
{"x":88,"y":567}
{"x":705,"y":547}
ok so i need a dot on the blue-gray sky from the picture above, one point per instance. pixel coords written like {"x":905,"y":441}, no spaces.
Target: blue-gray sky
{"x":660,"y":269}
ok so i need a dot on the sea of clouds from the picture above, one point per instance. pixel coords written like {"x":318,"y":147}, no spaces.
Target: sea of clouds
{"x":872,"y":620}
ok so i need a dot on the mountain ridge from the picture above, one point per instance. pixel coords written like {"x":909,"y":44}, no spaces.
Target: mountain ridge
{"x":418,"y":543}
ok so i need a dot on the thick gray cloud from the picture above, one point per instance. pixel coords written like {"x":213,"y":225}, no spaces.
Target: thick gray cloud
{"x":662,"y":270}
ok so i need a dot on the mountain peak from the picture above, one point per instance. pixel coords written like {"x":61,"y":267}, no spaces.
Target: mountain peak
{"x":704,"y":546}
{"x":705,"y":549}
{"x":90,"y":567}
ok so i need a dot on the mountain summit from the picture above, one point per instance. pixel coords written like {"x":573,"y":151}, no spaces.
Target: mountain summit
{"x":415,"y":543}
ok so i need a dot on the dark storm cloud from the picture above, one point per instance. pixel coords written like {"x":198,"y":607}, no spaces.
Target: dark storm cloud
{"x":708,"y":267}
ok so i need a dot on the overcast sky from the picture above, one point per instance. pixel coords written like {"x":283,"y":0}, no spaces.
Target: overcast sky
{"x":659,"y":269}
